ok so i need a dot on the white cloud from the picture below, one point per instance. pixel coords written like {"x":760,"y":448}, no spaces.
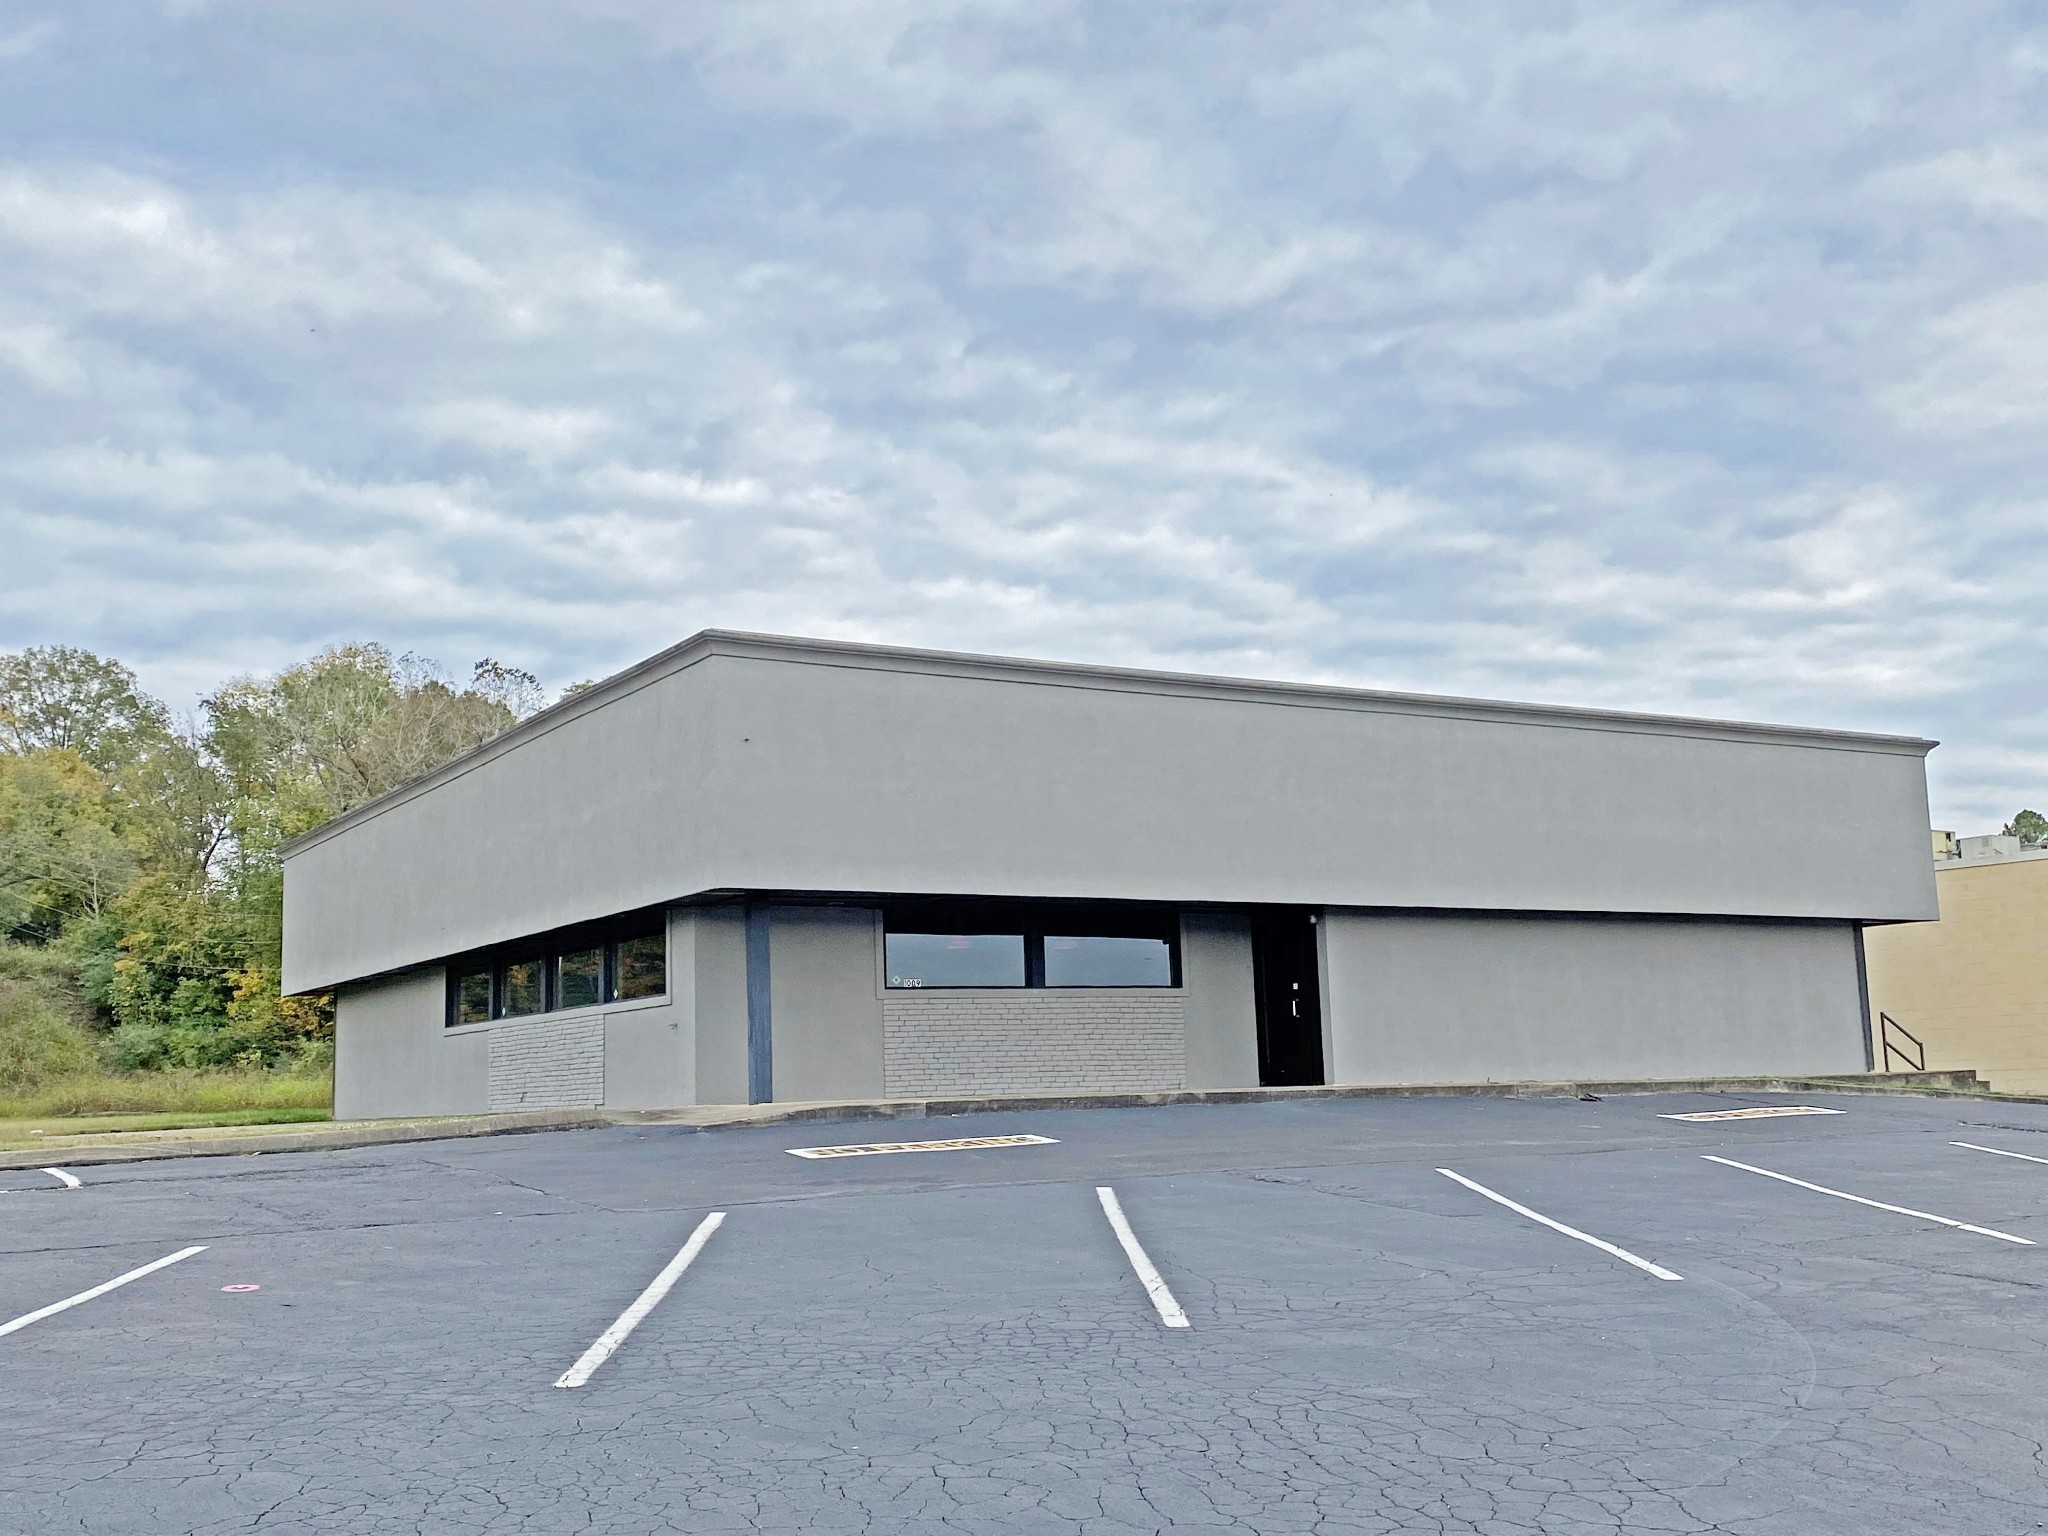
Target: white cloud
{"x":1987,"y":376}
{"x":540,"y":434}
{"x":108,"y":244}
{"x":1634,"y":354}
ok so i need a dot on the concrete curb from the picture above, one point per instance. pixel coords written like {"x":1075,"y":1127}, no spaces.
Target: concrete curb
{"x":150,"y":1146}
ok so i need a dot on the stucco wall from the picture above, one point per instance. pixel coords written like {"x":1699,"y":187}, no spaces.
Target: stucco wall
{"x":827,"y":1016}
{"x":1974,"y":986}
{"x":391,"y":1058}
{"x":1222,"y":1024}
{"x":395,"y":1055}
{"x":760,"y":765}
{"x":717,"y":941}
{"x":1412,"y":998}
{"x":1407,"y":998}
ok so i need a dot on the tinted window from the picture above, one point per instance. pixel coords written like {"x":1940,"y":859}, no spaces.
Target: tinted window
{"x":1078,"y":960}
{"x":525,"y":990}
{"x":994,"y":942}
{"x":955,"y":959}
{"x":643,"y":966}
{"x":586,"y":966}
{"x":473,"y":997}
{"x":579,"y":979}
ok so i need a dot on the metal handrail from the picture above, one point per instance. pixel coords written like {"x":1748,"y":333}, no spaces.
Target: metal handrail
{"x":1885,"y":1025}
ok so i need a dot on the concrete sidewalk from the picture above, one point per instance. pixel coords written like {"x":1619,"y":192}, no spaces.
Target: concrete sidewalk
{"x":233,"y":1141}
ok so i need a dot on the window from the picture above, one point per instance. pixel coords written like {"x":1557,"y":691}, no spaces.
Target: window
{"x":524,"y":988}
{"x":579,"y":979}
{"x":954,"y":959}
{"x":1107,"y":960}
{"x":1029,"y":944}
{"x":643,"y":966}
{"x":584,"y":968}
{"x":473,"y":997}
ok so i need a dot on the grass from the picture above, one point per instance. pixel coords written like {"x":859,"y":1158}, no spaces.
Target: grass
{"x":16,"y":1133}
{"x":228,"y":1091}
{"x":54,"y":1080}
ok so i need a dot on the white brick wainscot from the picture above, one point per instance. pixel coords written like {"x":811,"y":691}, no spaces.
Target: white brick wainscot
{"x":1108,"y":1040}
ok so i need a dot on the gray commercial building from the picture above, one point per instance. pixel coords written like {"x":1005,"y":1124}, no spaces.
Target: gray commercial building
{"x":755,"y":868}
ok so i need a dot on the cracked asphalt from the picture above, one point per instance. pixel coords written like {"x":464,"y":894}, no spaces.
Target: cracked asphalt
{"x":954,"y":1342}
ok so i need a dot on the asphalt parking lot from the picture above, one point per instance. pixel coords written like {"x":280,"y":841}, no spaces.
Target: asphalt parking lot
{"x":1645,"y":1340}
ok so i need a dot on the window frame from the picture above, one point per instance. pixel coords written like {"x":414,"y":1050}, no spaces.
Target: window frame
{"x":459,"y":974}
{"x":501,"y":986}
{"x":614,"y":970}
{"x":1035,"y":921}
{"x":548,"y":949}
{"x":607,"y":990}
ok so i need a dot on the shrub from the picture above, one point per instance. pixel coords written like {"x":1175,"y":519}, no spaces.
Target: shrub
{"x":39,"y":1041}
{"x":164,"y":1047}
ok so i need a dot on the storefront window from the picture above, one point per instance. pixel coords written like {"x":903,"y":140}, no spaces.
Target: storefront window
{"x":643,"y":966}
{"x":472,"y":997}
{"x":579,"y":979}
{"x":938,"y":942}
{"x":955,"y":959}
{"x":1093,"y":960}
{"x":585,"y":967}
{"x":525,"y":988}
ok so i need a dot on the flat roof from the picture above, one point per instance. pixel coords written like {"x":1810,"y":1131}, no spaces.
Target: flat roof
{"x":863,"y":656}
{"x":1985,"y":860}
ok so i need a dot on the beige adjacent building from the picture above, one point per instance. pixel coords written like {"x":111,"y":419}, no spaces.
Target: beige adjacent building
{"x":1972,"y":987}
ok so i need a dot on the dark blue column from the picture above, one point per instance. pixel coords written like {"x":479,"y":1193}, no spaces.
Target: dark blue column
{"x":760,"y":1012}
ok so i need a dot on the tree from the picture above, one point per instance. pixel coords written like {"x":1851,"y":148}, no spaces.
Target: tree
{"x":2030,"y":827}
{"x":58,"y":697}
{"x":62,"y":852}
{"x":174,"y":803}
{"x":140,"y":859}
{"x":517,"y":689}
{"x":307,"y":723}
{"x":354,"y":722}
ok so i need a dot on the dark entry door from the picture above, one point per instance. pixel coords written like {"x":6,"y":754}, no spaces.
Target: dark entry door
{"x":1289,"y":997}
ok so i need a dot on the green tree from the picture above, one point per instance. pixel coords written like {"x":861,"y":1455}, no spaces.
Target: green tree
{"x":177,"y":803}
{"x":58,"y":697}
{"x":62,"y":849}
{"x":179,"y":952}
{"x":2030,"y":827}
{"x":141,"y":860}
{"x":354,"y":722}
{"x":307,"y":726}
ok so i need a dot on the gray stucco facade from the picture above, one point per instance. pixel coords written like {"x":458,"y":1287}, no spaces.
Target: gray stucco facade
{"x":1439,"y":890}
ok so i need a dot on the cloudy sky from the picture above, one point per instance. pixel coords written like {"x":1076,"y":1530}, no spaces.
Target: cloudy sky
{"x":1680,"y":356}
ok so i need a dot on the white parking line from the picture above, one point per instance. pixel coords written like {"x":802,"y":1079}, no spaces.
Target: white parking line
{"x":883,"y":1148}
{"x":1148,"y":1276}
{"x":1766,"y":1112}
{"x":1999,"y":1152}
{"x":1900,"y":1210}
{"x":643,"y":1304}
{"x":1557,"y":1226}
{"x":99,"y":1290}
{"x":68,"y":1180}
